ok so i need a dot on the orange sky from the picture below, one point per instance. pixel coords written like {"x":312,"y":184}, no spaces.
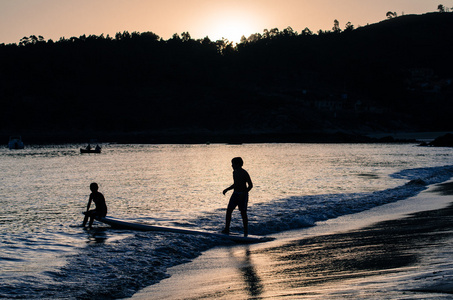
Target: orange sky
{"x":214,"y":18}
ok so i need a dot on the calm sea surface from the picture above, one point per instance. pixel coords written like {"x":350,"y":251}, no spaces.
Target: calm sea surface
{"x":44,"y":189}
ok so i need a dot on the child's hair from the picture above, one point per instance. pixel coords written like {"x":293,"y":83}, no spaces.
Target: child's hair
{"x":94,"y":186}
{"x":237,"y":161}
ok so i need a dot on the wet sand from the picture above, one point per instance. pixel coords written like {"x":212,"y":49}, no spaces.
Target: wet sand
{"x":387,"y":260}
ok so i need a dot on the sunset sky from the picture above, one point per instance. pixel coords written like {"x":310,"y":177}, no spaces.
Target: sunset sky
{"x":231,"y":19}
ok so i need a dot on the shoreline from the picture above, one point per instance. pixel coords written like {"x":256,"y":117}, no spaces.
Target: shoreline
{"x":207,"y":137}
{"x":365,"y":261}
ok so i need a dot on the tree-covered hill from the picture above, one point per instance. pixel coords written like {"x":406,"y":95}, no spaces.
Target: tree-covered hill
{"x":393,"y":75}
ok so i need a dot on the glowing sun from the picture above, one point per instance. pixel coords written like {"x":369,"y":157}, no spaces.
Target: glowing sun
{"x":231,"y":25}
{"x":232,"y":29}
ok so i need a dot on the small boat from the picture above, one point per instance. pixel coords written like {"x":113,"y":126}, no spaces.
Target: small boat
{"x":83,"y":150}
{"x":88,"y":149}
{"x":15,"y":142}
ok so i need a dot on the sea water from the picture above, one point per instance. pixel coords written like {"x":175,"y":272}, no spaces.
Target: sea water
{"x":44,"y":253}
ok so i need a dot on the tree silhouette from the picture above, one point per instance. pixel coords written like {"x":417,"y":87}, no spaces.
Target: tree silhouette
{"x":336,"y":26}
{"x":391,"y":15}
{"x":175,"y":37}
{"x":31,"y":40}
{"x":441,"y":8}
{"x":138,"y":82}
{"x":125,"y":35}
{"x":349,"y":27}
{"x":185,"y":36}
{"x":288,"y":31}
{"x":306,"y":31}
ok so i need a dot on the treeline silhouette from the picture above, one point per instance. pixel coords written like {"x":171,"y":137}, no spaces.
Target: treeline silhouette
{"x":393,"y":75}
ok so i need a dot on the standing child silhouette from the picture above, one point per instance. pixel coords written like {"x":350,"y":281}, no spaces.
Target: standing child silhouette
{"x":242,"y":184}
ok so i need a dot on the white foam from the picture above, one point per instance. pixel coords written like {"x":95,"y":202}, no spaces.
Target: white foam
{"x":202,"y":276}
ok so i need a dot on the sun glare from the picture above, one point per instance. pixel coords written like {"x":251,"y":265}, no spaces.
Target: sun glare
{"x":231,"y":29}
{"x":231,"y":25}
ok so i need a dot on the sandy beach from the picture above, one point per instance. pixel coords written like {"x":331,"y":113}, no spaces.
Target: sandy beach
{"x":385,"y":253}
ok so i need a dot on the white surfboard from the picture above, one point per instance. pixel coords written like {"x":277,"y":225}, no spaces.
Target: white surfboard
{"x":118,"y":223}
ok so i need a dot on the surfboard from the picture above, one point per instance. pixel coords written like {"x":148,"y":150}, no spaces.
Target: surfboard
{"x":118,"y":223}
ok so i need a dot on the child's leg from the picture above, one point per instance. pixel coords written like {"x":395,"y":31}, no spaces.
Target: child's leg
{"x":91,"y":214}
{"x":85,"y":220}
{"x":245,"y":222}
{"x":87,"y":215}
{"x":91,"y":221}
{"x":228,"y":220}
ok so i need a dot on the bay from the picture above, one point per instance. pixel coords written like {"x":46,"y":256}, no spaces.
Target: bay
{"x":44,"y":189}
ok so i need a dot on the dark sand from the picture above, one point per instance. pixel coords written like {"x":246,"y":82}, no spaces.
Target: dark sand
{"x":375,"y":262}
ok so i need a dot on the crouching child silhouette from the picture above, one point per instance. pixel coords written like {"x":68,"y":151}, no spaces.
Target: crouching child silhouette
{"x":242,"y":184}
{"x":99,"y":201}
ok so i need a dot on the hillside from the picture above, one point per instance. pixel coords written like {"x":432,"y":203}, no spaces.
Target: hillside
{"x":280,"y":86}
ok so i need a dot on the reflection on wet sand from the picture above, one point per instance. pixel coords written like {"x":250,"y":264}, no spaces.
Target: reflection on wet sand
{"x":347,"y":264}
{"x":305,"y":266}
{"x":247,"y":270}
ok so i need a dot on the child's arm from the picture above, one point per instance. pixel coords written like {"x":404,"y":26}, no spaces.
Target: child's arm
{"x":249,"y":183}
{"x":228,"y":188}
{"x":89,"y":203}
